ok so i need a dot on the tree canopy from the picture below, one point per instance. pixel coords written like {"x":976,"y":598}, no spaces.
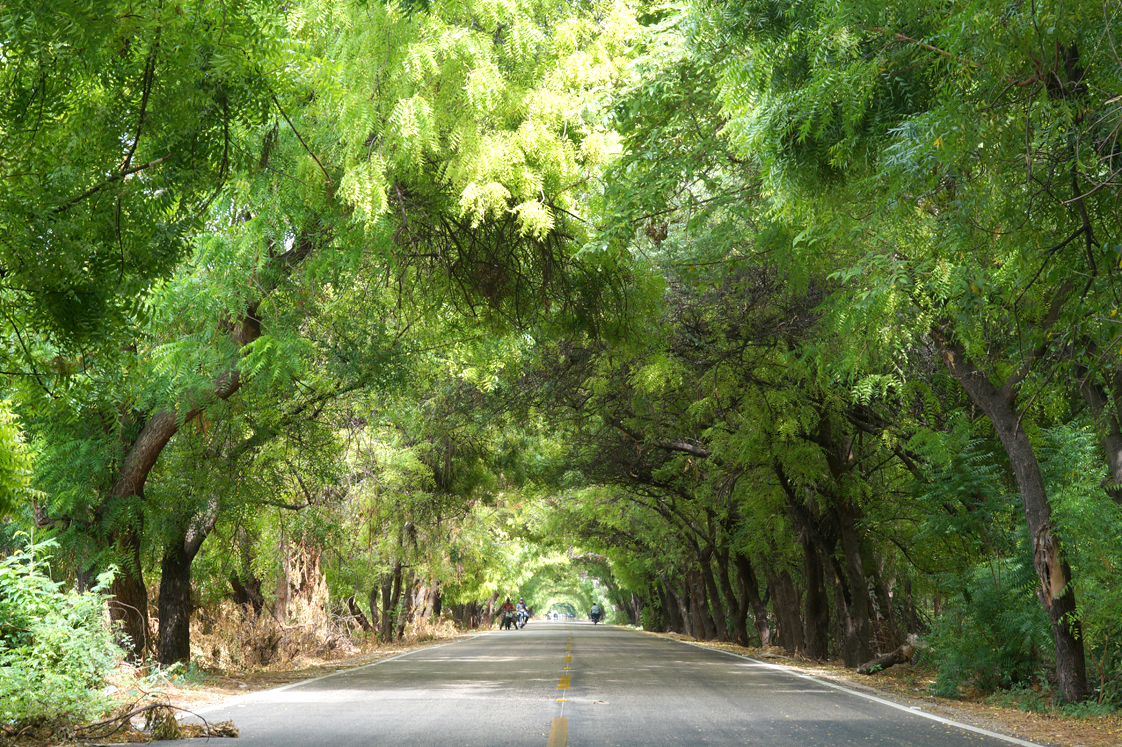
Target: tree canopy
{"x":784,"y":323}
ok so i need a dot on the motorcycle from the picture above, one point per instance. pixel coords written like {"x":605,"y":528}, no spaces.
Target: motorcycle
{"x":506,"y":622}
{"x":595,"y":617}
{"x":520,"y":619}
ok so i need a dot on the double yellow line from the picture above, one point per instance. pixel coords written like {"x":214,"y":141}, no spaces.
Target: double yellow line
{"x":559,"y":731}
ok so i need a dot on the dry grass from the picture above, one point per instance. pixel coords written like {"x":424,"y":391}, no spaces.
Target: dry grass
{"x":911,"y":685}
{"x":237,"y":640}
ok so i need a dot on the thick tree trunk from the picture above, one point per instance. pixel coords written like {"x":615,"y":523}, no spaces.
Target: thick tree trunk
{"x":1056,"y":591}
{"x":437,"y":599}
{"x":737,"y":603}
{"x":699,"y":607}
{"x":672,"y":609}
{"x":859,"y":628}
{"x":816,"y":604}
{"x":785,"y":602}
{"x":174,"y":642}
{"x":409,"y":594}
{"x":128,"y":605}
{"x":372,"y":602}
{"x":717,"y":607}
{"x":750,"y":591}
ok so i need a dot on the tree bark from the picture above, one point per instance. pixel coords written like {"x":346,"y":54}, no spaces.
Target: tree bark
{"x":174,"y":643}
{"x":128,"y":605}
{"x":750,"y":592}
{"x":901,"y":655}
{"x":1056,"y":592}
{"x":859,"y":628}
{"x":357,"y":613}
{"x":699,"y":606}
{"x":717,"y":607}
{"x":391,"y":594}
{"x":817,"y":605}
{"x":785,"y":601}
{"x":1107,"y":420}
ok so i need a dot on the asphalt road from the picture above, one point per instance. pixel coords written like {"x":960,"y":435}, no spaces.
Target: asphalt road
{"x":553,"y":684}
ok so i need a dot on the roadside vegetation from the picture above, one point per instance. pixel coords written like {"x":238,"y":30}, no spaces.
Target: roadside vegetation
{"x":330,"y":325}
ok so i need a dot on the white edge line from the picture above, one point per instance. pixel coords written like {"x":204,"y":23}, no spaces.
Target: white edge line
{"x":250,"y":696}
{"x":866,"y":696}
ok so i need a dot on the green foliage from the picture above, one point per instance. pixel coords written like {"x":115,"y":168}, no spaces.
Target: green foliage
{"x":55,"y":647}
{"x":993,"y":633}
{"x":15,"y":463}
{"x":118,"y":123}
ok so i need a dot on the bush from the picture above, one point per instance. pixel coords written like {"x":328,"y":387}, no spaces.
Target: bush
{"x":995,"y":633}
{"x":55,"y":646}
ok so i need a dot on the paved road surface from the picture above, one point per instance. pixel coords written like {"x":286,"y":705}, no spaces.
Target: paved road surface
{"x":553,"y":684}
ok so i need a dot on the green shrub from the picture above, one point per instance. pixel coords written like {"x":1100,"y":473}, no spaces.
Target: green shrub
{"x":55,"y":645}
{"x":994,"y":634}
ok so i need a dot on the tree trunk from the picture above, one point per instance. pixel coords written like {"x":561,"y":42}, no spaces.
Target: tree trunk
{"x":437,"y":599}
{"x":357,"y":614}
{"x":409,"y":593}
{"x":736,"y":603}
{"x":1107,"y":419}
{"x":174,"y":642}
{"x":391,"y":595}
{"x":372,"y":602}
{"x":901,"y":655}
{"x":720,"y":621}
{"x":859,"y":628}
{"x":750,"y":591}
{"x":785,"y":602}
{"x":128,"y":606}
{"x":817,"y":604}
{"x":1056,"y":591}
{"x":672,"y":609}
{"x":699,"y":607}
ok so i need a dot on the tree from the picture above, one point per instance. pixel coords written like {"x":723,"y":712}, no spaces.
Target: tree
{"x":961,"y":153}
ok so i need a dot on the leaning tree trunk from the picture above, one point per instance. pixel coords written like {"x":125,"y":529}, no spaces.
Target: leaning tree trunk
{"x":1056,"y":591}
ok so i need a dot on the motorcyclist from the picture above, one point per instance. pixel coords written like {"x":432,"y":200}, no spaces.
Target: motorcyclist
{"x":522,"y":609}
{"x":595,"y":613}
{"x":506,"y":615}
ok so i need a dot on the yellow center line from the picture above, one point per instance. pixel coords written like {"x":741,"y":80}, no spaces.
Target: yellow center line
{"x":568,"y":659}
{"x":558,"y":733}
{"x":564,"y":682}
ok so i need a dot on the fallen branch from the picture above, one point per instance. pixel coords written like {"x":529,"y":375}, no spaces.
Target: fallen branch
{"x":902,"y":655}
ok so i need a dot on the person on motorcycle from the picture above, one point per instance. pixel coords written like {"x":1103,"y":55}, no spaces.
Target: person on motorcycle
{"x":522,"y":611}
{"x":595,"y":613}
{"x":506,"y":615}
